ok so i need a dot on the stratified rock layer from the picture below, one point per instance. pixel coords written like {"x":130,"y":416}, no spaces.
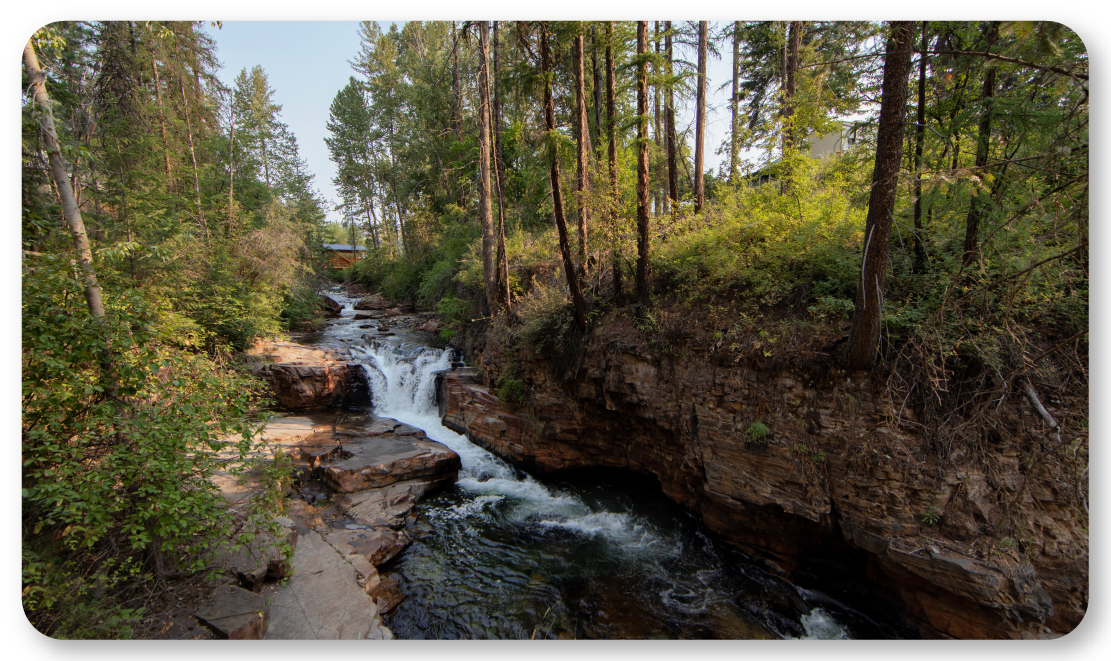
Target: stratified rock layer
{"x":836,"y":477}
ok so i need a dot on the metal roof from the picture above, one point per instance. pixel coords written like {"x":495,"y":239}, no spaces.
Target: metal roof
{"x":342,"y":247}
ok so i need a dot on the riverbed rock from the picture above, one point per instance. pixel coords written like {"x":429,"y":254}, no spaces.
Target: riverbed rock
{"x":323,"y":600}
{"x":389,"y":506}
{"x":380,"y":460}
{"x":393,"y":312}
{"x":842,"y":475}
{"x":377,"y":545}
{"x":430,"y":326}
{"x":305,"y":378}
{"x":331,"y":305}
{"x":372,"y":302}
{"x":235,"y":614}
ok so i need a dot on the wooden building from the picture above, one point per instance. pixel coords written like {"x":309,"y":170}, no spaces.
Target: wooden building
{"x":342,"y":255}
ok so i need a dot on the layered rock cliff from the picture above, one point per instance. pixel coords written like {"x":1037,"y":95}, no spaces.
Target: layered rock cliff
{"x":842,"y":474}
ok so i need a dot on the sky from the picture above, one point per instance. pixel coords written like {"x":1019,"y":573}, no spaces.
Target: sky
{"x":307,"y":64}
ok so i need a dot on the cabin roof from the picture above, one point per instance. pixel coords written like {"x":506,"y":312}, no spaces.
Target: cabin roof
{"x":342,"y":247}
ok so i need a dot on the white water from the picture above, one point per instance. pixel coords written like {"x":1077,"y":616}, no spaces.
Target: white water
{"x":402,"y":383}
{"x":820,"y":625}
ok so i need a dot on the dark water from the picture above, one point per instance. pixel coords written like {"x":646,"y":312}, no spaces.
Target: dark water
{"x":594,"y":554}
{"x":486,"y":569}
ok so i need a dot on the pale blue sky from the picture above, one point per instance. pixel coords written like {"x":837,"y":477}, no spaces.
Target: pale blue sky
{"x":307,"y":64}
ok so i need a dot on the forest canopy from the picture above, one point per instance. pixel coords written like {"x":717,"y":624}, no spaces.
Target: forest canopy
{"x":913,"y":195}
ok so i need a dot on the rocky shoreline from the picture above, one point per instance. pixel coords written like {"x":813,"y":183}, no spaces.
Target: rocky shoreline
{"x":355,"y":481}
{"x":839,"y":479}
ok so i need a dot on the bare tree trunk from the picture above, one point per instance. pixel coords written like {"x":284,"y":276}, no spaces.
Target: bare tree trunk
{"x":499,"y":170}
{"x":485,"y":213}
{"x":162,"y":121}
{"x":458,"y":103}
{"x":371,"y":222}
{"x":642,"y":164}
{"x":672,"y":146}
{"x":231,"y":167}
{"x":597,"y":87}
{"x":864,"y":338}
{"x":919,"y":140}
{"x":193,"y":156}
{"x":787,"y":112}
{"x":611,"y":124}
{"x":557,"y":195}
{"x":657,"y":196}
{"x":734,"y":104}
{"x":62,"y":182}
{"x":582,"y":128}
{"x":978,"y":208}
{"x":700,"y":121}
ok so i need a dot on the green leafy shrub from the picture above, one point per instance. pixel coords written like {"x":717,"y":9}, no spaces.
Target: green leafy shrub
{"x":511,"y":388}
{"x":122,"y":433}
{"x":757,"y":432}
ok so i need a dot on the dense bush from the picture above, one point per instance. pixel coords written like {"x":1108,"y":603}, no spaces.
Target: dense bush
{"x":122,"y":432}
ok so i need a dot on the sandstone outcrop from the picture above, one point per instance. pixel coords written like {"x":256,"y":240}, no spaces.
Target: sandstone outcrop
{"x":305,"y":378}
{"x":837,"y":477}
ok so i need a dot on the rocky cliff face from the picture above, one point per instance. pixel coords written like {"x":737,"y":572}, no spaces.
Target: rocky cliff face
{"x":842,"y":475}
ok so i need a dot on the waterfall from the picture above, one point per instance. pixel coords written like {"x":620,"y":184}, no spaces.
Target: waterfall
{"x":401,"y":384}
{"x":677,"y":575}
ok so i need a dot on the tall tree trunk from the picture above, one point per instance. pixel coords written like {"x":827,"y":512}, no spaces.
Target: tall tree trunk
{"x":657,"y":197}
{"x":485,"y":214}
{"x":499,"y":170}
{"x":266,"y":164}
{"x":700,"y":122}
{"x":231,"y":168}
{"x":70,"y":208}
{"x":582,"y":129}
{"x":642,"y":163}
{"x":400,"y":221}
{"x":372,"y":222}
{"x":162,"y":121}
{"x":734,"y":105}
{"x":864,"y":338}
{"x":790,"y":87}
{"x":597,"y":87}
{"x":458,"y":103}
{"x":979,"y":207}
{"x":611,"y":127}
{"x":919,"y":141}
{"x":672,"y":146}
{"x":193,"y":156}
{"x":577,"y":301}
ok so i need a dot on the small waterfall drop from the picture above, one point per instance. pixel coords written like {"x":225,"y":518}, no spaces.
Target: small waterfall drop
{"x":508,"y":556}
{"x":401,"y":384}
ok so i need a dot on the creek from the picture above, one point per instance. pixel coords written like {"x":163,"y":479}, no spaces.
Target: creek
{"x":594,"y":553}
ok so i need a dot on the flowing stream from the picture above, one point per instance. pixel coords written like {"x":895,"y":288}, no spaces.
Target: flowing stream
{"x":595,"y":554}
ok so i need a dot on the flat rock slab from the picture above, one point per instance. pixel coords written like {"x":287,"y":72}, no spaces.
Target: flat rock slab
{"x":323,"y":600}
{"x":390,"y":505}
{"x":236,"y":614}
{"x":377,"y":545}
{"x":377,"y":461}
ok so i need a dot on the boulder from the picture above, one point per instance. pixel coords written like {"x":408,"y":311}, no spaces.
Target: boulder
{"x":388,"y":506}
{"x":372,"y":302}
{"x":331,"y":306}
{"x":235,"y":614}
{"x":377,"y":461}
{"x":393,"y":312}
{"x":430,"y":326}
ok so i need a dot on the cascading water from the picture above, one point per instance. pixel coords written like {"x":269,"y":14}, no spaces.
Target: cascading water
{"x":506,"y":556}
